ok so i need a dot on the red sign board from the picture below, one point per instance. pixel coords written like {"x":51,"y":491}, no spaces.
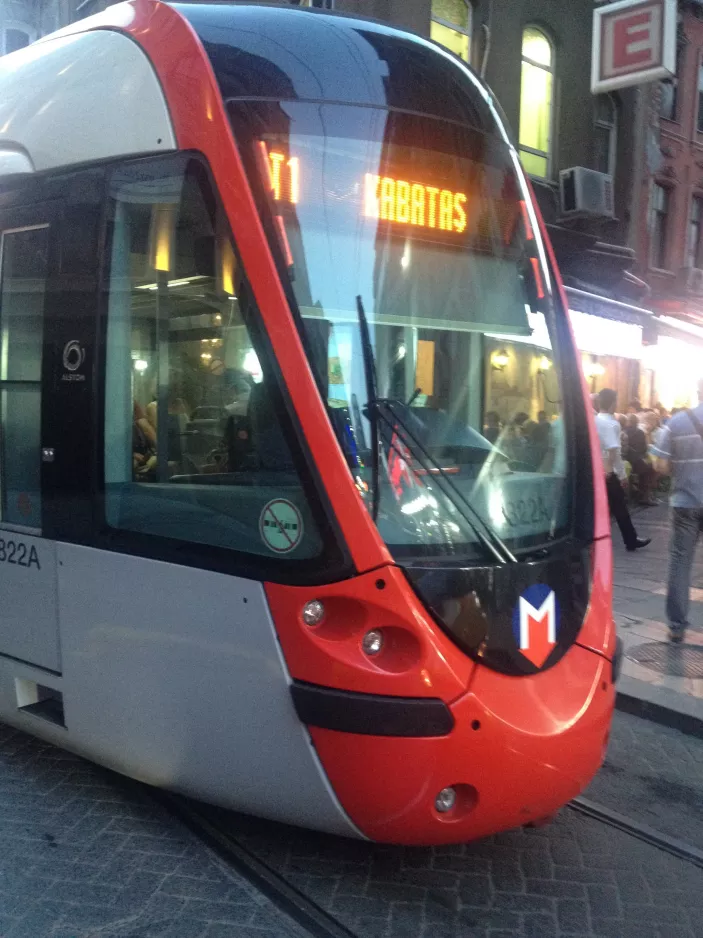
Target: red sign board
{"x":634,"y":41}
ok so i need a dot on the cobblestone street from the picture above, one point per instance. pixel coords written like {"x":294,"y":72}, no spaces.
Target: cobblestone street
{"x":84,"y":854}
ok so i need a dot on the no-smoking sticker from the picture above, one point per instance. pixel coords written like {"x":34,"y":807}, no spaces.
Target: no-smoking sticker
{"x":281,"y":526}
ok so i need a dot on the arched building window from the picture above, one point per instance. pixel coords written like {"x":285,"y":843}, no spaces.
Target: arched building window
{"x":605,"y":125}
{"x":536,"y":102}
{"x":451,"y":26}
{"x":14,"y":36}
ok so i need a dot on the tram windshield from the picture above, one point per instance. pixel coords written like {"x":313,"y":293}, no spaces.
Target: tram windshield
{"x":424,"y":300}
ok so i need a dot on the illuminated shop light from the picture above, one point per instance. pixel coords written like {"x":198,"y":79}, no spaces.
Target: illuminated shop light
{"x":593,"y":369}
{"x":500,"y":359}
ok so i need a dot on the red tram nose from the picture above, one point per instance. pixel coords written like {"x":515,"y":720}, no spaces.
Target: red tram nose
{"x":447,"y":735}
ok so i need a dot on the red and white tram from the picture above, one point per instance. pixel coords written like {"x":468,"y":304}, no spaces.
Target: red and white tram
{"x":280,"y":526}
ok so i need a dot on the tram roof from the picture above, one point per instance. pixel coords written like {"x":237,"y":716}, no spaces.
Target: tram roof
{"x":289,"y":53}
{"x":68,"y":99}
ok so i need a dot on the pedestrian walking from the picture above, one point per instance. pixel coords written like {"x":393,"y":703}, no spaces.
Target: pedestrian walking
{"x":609,"y":432}
{"x":679,"y":452}
{"x":637,"y":454}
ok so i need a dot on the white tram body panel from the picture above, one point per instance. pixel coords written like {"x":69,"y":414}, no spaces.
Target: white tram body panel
{"x":174,"y":677}
{"x":170,"y":674}
{"x":81,"y":98}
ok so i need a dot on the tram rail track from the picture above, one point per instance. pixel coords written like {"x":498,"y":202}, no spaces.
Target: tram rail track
{"x":636,"y":829}
{"x":303,"y":910}
{"x":308,"y":914}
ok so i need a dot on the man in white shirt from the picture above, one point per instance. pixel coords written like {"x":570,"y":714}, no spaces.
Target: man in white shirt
{"x":609,"y":433}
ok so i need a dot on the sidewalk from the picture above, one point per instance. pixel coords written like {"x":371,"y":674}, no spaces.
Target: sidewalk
{"x":654,"y":671}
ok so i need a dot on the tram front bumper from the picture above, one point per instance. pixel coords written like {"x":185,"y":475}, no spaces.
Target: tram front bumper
{"x":519,"y":750}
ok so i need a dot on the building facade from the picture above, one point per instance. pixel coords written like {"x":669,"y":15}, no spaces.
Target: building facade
{"x":670,"y":228}
{"x":667,"y":234}
{"x":628,"y":221}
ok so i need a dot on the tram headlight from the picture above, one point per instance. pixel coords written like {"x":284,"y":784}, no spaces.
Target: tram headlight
{"x":372,"y":642}
{"x":445,"y":800}
{"x":313,"y":612}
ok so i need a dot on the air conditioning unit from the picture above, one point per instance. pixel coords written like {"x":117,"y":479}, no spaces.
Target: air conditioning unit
{"x":586,"y":192}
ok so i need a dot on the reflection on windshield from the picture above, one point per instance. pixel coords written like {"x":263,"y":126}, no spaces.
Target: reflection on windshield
{"x":427,"y":223}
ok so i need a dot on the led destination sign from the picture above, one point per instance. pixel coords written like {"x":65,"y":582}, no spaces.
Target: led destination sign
{"x":386,"y":198}
{"x":414,"y":204}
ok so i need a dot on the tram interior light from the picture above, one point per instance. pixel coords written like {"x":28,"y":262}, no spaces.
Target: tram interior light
{"x":181,"y":282}
{"x":141,"y":365}
{"x":161,"y":236}
{"x":228,"y":263}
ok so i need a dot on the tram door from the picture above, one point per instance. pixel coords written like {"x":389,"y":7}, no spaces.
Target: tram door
{"x":28,"y":589}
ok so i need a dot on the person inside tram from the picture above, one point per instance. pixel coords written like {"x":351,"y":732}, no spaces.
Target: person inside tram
{"x":177,"y":407}
{"x":178,"y":421}
{"x":143,"y":443}
{"x":238,"y":391}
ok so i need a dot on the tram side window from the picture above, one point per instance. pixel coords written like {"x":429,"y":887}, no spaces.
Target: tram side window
{"x":194,"y":446}
{"x":23,"y":261}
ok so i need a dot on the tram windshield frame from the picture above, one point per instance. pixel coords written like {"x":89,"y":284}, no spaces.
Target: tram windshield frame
{"x":455,"y":293}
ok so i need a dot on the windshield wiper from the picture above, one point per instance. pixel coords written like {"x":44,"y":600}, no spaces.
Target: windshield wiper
{"x":485,"y":533}
{"x":371,"y":397}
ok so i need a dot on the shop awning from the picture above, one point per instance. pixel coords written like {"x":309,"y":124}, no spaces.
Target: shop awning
{"x":678,"y":329}
{"x":606,"y":308}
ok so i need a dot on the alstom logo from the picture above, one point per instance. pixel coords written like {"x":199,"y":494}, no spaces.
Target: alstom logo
{"x":536,"y":623}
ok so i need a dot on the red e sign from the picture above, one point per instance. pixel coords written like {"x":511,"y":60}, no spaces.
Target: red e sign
{"x":633,"y":42}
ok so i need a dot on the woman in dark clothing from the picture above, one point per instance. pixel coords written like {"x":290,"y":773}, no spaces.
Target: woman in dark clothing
{"x":636,"y":455}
